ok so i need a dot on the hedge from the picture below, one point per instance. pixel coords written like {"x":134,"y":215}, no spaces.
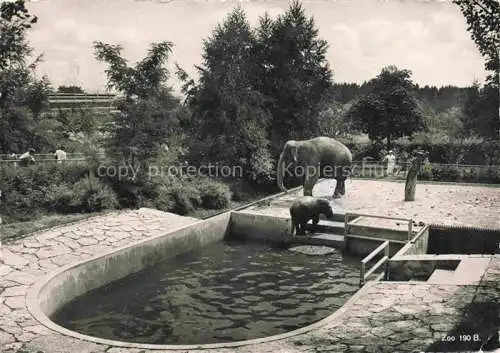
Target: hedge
{"x":467,"y":153}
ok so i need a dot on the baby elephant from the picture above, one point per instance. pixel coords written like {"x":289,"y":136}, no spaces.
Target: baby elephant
{"x":305,"y":208}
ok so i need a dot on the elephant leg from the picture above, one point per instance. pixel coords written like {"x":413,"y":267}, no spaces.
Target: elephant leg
{"x":301,"y":230}
{"x":312,"y":176}
{"x":315,"y":221}
{"x":339,"y":188}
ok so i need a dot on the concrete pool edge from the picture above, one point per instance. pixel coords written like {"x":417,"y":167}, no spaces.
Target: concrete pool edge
{"x":38,"y":314}
{"x":34,"y":306}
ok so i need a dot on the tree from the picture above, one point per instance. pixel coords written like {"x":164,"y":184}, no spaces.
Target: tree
{"x":483,"y":20}
{"x":148,"y":110}
{"x":481,"y":111}
{"x":389,"y":111}
{"x":229,"y":112}
{"x":294,"y":74}
{"x":22,"y":96}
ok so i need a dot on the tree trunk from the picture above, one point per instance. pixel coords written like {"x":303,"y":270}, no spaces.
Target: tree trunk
{"x":389,"y":142}
{"x":411,"y":177}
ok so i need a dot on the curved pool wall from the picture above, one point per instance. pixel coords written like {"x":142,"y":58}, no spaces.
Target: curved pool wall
{"x":61,"y":287}
{"x":69,"y":282}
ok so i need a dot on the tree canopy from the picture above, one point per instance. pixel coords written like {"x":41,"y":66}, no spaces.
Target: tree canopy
{"x":22,"y":95}
{"x":482,"y":112}
{"x":389,"y":110}
{"x":483,"y":20}
{"x":148,"y":110}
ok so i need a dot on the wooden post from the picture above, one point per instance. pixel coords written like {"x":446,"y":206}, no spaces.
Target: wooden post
{"x":411,"y":176}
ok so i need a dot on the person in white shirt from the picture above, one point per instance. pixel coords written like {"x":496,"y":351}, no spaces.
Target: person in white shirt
{"x":60,"y":155}
{"x":391,"y":162}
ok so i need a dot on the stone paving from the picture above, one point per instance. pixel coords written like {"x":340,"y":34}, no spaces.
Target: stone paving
{"x":453,"y":204}
{"x":388,"y":317}
{"x":25,"y":261}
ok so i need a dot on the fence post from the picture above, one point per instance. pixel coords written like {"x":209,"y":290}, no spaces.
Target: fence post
{"x":386,"y":253}
{"x":410,"y":224}
{"x":362,"y":275}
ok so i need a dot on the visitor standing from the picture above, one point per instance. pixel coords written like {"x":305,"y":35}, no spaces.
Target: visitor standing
{"x":60,"y":155}
{"x":391,"y":162}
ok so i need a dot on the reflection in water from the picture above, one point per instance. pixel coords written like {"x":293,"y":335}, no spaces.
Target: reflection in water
{"x":223,"y":292}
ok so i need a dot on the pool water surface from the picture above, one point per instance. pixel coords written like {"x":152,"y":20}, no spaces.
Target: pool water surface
{"x":224,"y":292}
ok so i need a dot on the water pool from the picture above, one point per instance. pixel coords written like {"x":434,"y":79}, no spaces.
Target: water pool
{"x":224,"y":292}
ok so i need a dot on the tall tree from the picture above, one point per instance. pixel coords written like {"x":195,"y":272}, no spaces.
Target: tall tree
{"x":389,"y":111}
{"x":480,"y":110}
{"x":295,"y":75}
{"x":228,"y":111}
{"x":483,"y":20}
{"x":148,"y":110}
{"x":22,"y":96}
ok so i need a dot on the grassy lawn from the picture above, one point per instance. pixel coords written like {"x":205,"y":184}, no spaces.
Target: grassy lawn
{"x":18,"y":230}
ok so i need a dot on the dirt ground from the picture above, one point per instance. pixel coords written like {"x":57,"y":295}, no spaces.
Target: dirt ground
{"x":456,"y":204}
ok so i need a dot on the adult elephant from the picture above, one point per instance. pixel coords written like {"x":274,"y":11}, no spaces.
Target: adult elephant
{"x":320,"y":156}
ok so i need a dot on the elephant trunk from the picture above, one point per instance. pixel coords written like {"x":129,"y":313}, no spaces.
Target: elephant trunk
{"x":280,"y":172}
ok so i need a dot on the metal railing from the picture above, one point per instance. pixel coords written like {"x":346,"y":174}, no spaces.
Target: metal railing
{"x":353,"y":216}
{"x":363,"y":275}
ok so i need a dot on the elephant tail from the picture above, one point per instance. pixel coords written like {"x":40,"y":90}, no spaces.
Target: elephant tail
{"x":293,"y":227}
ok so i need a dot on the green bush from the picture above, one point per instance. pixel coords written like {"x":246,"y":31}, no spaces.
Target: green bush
{"x":58,"y":198}
{"x":164,"y":200}
{"x":92,"y":195}
{"x":426,"y":172}
{"x":445,"y":173}
{"x":186,"y":196}
{"x":469,"y":152}
{"x":242,"y":191}
{"x":214,"y":195}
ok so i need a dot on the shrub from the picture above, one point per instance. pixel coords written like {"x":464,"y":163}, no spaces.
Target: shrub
{"x":463,"y":152}
{"x":164,"y":200}
{"x":58,"y":198}
{"x":71,"y":173}
{"x":426,"y":172}
{"x":241,"y":191}
{"x":214,"y":195}
{"x":445,"y":173}
{"x":186,"y":197}
{"x":91,"y":195}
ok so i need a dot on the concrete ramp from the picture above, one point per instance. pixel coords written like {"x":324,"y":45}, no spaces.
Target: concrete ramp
{"x":470,"y":271}
{"x":441,"y":276}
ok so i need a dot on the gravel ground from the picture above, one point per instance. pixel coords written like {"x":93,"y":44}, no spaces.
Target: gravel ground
{"x":458,"y":204}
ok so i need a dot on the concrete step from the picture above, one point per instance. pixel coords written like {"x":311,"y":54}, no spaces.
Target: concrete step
{"x":470,"y":271}
{"x":327,"y":226}
{"x":325,"y":239}
{"x":441,"y":276}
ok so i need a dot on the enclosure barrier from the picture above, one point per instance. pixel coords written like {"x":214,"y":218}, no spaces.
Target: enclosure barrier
{"x":363,"y":275}
{"x":353,"y":216}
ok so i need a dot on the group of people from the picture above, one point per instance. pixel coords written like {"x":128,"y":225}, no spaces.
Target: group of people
{"x":28,"y":157}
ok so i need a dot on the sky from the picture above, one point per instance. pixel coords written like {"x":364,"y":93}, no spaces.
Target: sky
{"x":428,"y":37}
